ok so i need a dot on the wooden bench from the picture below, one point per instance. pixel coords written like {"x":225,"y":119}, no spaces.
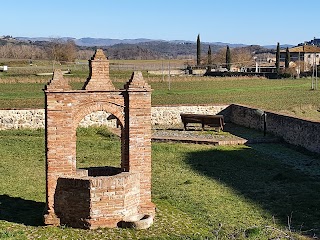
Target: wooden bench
{"x":216,"y":121}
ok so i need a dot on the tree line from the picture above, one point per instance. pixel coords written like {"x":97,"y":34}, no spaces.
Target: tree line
{"x":227,"y":57}
{"x":241,"y":57}
{"x":56,"y":49}
{"x":67,"y":51}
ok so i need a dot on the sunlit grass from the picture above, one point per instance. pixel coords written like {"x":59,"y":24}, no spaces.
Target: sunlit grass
{"x":235,"y":192}
{"x":289,"y":96}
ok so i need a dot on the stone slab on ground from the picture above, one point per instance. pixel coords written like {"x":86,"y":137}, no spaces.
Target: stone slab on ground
{"x":232,"y":135}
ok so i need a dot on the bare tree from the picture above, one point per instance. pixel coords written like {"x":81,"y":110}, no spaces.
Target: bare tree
{"x":22,"y":52}
{"x":62,"y":51}
{"x":219,"y":57}
{"x":242,"y":57}
{"x":85,"y":54}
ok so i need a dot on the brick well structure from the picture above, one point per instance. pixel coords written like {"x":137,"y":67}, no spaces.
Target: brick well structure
{"x":97,"y":197}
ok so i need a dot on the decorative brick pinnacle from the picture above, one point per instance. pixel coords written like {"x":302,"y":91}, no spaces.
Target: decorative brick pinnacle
{"x":58,"y":82}
{"x":99,"y":55}
{"x":99,"y":73}
{"x":137,"y":82}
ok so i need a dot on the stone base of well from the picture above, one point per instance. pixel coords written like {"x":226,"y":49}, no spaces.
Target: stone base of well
{"x":102,"y":201}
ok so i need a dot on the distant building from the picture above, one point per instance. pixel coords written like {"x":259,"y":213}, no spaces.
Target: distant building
{"x":302,"y":59}
{"x":264,"y":67}
{"x":307,"y":55}
{"x":315,"y":42}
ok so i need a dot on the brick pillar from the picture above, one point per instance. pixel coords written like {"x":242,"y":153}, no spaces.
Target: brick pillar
{"x":99,"y":73}
{"x":138,"y":136}
{"x":60,"y":140}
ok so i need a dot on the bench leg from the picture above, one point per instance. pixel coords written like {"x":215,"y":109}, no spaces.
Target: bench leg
{"x":185,"y":126}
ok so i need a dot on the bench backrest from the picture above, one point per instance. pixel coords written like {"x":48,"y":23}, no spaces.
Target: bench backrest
{"x":201,"y":118}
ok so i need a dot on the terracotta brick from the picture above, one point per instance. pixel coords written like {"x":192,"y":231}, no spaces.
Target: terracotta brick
{"x":73,"y":197}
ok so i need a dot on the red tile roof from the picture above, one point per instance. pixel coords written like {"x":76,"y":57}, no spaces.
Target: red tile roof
{"x":304,"y":49}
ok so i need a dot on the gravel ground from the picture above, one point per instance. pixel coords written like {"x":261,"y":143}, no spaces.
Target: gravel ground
{"x":231,"y":132}
{"x":222,"y":136}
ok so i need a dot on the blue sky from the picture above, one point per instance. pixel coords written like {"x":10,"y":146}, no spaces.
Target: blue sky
{"x":260,"y":22}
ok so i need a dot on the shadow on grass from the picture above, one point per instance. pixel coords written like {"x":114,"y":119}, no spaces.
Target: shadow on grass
{"x":18,"y":210}
{"x":284,"y":191}
{"x":252,"y":135}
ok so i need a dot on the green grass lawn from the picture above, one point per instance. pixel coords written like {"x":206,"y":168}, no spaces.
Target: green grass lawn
{"x":290,"y":96}
{"x":21,"y":95}
{"x":261,"y":191}
{"x":264,"y":93}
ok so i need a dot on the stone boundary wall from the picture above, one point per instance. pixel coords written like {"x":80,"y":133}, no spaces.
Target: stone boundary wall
{"x":34,"y":119}
{"x":160,"y":115}
{"x":170,"y":115}
{"x":296,"y":131}
{"x":26,"y":118}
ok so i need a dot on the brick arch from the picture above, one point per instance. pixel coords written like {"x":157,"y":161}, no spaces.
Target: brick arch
{"x":89,"y":108}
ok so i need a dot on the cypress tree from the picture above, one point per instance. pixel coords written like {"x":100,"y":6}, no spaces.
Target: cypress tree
{"x":209,"y":59}
{"x":228,"y":58}
{"x":198,"y":50}
{"x":287,"y":60}
{"x":278,"y":59}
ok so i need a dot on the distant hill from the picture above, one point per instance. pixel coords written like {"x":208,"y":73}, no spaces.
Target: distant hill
{"x":103,"y":42}
{"x":131,"y":51}
{"x":98,"y":42}
{"x":142,"y":48}
{"x":42,"y":39}
{"x":89,"y":42}
{"x":170,"y":49}
{"x":275,"y":46}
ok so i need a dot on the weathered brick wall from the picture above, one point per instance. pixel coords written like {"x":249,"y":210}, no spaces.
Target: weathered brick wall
{"x":114,"y":197}
{"x":138,"y":149}
{"x":293,"y":130}
{"x":72,"y":201}
{"x":91,"y":202}
{"x":64,"y":112}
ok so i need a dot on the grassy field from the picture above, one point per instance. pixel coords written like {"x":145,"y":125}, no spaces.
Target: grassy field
{"x":21,"y":67}
{"x":289,"y":96}
{"x":268,"y":94}
{"x":262,"y":191}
